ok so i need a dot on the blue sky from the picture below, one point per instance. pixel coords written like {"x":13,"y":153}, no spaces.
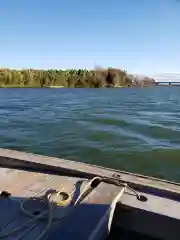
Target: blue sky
{"x":142,"y":36}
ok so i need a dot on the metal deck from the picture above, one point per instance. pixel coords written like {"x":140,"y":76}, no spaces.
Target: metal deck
{"x":159,"y":216}
{"x":23,"y":185}
{"x":93,"y":216}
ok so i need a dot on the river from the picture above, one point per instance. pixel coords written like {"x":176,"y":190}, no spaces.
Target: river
{"x":131,"y":129}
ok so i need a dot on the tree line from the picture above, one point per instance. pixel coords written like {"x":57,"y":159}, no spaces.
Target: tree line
{"x":72,"y":78}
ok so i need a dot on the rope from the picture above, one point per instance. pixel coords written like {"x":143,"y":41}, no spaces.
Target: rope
{"x":49,"y":212}
{"x":119,"y":183}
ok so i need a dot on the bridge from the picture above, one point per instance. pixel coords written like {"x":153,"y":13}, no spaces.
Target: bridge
{"x":168,"y":83}
{"x":167,"y":79}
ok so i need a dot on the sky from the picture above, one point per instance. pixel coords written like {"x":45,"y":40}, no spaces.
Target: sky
{"x":141,"y":36}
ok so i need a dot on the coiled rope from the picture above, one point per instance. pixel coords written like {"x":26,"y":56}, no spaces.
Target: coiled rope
{"x":47,"y":199}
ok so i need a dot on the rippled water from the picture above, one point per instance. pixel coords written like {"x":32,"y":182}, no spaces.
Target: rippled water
{"x":135,"y":130}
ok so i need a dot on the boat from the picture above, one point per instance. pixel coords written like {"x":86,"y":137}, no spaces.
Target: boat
{"x":50,"y":198}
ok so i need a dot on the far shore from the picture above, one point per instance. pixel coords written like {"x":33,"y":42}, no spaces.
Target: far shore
{"x":59,"y":87}
{"x":70,"y":78}
{"x":28,"y":86}
{"x":73,"y":78}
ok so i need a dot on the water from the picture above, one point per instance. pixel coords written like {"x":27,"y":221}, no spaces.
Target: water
{"x":134,"y":130}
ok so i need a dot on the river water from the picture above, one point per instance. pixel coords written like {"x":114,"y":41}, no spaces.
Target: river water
{"x":130,"y":129}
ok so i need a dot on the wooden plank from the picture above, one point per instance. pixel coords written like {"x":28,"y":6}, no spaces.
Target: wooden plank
{"x":91,"y":220}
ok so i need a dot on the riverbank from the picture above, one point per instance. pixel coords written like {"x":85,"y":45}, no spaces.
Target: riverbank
{"x":28,"y":86}
{"x":57,"y":87}
{"x":73,"y":78}
{"x":18,"y":86}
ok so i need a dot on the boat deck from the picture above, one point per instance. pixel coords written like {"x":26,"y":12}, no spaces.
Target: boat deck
{"x":84,"y":219}
{"x":27,"y":175}
{"x":29,"y":184}
{"x":23,"y":185}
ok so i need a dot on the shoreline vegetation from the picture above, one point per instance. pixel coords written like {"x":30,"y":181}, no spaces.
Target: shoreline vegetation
{"x":71,"y":78}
